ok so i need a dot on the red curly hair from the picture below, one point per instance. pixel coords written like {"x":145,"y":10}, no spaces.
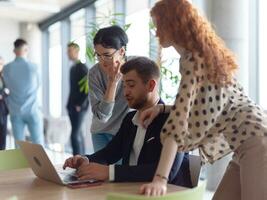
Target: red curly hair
{"x":180,"y":21}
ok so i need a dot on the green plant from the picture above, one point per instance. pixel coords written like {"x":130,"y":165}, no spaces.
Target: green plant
{"x":83,"y":83}
{"x":169,"y":79}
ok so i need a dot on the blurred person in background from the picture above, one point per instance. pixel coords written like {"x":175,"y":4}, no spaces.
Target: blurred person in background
{"x":78,"y":101}
{"x":3,"y":108}
{"x":22,"y":79}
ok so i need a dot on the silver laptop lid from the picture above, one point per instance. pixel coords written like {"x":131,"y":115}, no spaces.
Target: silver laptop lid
{"x":43,"y":167}
{"x":39,"y":161}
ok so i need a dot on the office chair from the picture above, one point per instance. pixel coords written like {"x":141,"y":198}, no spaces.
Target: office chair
{"x":195,"y":169}
{"x":12,"y":159}
{"x":196,"y":193}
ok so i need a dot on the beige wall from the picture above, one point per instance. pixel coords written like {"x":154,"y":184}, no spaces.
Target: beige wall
{"x":8,"y":34}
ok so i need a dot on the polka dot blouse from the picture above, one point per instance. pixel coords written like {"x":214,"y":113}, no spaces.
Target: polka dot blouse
{"x":217,"y":120}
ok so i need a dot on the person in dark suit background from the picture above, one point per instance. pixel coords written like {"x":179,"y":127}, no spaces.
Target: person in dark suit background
{"x":138,"y":148}
{"x":78,"y":101}
{"x":3,"y":108}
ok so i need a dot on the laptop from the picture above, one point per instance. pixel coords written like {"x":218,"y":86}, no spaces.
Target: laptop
{"x":44,"y":169}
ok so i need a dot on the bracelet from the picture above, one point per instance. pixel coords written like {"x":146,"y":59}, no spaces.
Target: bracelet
{"x":163,"y":111}
{"x":162,"y":177}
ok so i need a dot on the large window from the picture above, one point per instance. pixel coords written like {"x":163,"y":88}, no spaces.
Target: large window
{"x":170,"y":74}
{"x":137,"y":15}
{"x":55,"y":71}
{"x":104,"y":9}
{"x":78,"y":34}
{"x":262,"y":53}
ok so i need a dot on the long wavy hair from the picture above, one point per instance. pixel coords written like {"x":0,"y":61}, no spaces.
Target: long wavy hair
{"x":180,"y":21}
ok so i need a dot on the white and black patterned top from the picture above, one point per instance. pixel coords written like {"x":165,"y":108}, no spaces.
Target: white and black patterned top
{"x":214,"y":119}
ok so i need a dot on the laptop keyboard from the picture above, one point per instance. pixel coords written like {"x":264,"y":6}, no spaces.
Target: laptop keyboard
{"x":67,"y":175}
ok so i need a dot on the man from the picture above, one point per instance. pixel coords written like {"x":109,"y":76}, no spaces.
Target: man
{"x":78,"y":100}
{"x":3,"y":108}
{"x":139,"y":148}
{"x":22,"y":79}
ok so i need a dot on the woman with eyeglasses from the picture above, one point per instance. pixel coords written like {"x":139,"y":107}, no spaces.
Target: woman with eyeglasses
{"x":109,"y":106}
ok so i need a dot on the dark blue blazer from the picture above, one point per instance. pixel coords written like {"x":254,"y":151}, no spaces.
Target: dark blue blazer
{"x":120,"y":148}
{"x":3,"y":105}
{"x":77,"y":98}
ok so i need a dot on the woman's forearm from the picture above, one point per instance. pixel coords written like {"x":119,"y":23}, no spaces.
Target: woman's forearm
{"x":167,"y":157}
{"x":110,"y":92}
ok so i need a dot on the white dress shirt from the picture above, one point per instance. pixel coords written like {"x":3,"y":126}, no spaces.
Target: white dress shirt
{"x":137,"y":146}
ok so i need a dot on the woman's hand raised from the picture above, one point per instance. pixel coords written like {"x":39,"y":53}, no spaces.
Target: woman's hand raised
{"x":148,"y":115}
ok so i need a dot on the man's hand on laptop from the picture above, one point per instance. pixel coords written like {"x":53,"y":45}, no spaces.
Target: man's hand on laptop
{"x":93,"y":171}
{"x":76,"y":162}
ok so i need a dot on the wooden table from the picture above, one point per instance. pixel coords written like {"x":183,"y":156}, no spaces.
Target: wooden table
{"x":23,"y":184}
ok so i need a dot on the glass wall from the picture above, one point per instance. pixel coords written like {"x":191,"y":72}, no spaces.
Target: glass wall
{"x":137,"y":15}
{"x":78,"y":34}
{"x":55,"y":70}
{"x":262,"y":53}
{"x":170,"y":74}
{"x":104,"y":11}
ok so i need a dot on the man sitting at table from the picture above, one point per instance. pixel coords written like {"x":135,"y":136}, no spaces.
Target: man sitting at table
{"x":138,"y":148}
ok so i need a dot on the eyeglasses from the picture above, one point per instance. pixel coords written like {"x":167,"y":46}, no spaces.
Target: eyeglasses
{"x":107,"y":57}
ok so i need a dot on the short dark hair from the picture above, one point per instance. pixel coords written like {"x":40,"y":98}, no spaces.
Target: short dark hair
{"x":19,"y":43}
{"x":74,"y":45}
{"x":111,"y":37}
{"x":146,"y":68}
